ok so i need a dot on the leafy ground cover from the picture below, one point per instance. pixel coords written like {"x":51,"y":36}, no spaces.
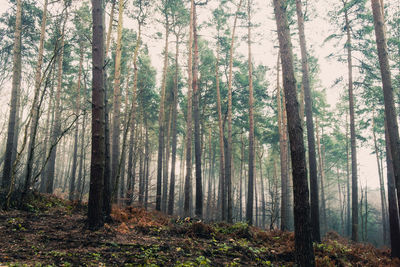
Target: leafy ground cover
{"x":50,"y":231}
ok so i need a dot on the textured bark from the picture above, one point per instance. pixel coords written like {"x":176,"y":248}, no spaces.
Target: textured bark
{"x":390,"y":111}
{"x":304,"y":252}
{"x":95,"y":205}
{"x":196,"y":118}
{"x":312,"y":162}
{"x":11,"y":145}
{"x":394,"y":223}
{"x":188,"y":178}
{"x":161,"y":117}
{"x":348,"y":225}
{"x":228,"y":168}
{"x":250,"y":184}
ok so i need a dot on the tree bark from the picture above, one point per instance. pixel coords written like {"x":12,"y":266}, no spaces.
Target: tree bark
{"x":354,"y":178}
{"x":312,"y":162}
{"x":196,"y":117}
{"x":188,"y":178}
{"x":228,"y":168}
{"x":95,"y":205}
{"x":304,"y":252}
{"x":11,"y":145}
{"x":283,"y":145}
{"x":161,"y":117}
{"x":250,"y":184}
{"x":390,"y":111}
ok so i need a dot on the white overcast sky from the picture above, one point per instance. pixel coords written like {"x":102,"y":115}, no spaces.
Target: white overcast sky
{"x":264,"y":53}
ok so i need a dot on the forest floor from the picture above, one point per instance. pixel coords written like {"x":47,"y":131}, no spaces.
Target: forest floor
{"x":51,"y":231}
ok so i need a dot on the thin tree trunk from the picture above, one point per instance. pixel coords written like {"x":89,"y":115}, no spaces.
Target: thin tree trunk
{"x":282,"y":124}
{"x":322,"y":180}
{"x":381,"y":185}
{"x":11,"y":145}
{"x":72,"y":191}
{"x":221,"y":137}
{"x":250,"y":189}
{"x":166,"y":163}
{"x":57,"y":117}
{"x":354,"y":178}
{"x":174,"y":131}
{"x":312,"y":162}
{"x":161,"y":117}
{"x":115,"y":154}
{"x":35,"y":104}
{"x":228,"y":168}
{"x":188,"y":178}
{"x":196,"y":117}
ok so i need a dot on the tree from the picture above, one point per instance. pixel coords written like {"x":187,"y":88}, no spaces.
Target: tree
{"x":304,"y":252}
{"x":189,"y":118}
{"x":228,"y":158}
{"x":312,"y":161}
{"x":95,"y":205}
{"x":250,"y":190}
{"x":390,"y":113}
{"x":116,"y":120}
{"x":161,"y":116}
{"x":11,"y":145}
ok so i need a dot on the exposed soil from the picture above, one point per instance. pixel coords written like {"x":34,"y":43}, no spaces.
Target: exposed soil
{"x":53,"y":232}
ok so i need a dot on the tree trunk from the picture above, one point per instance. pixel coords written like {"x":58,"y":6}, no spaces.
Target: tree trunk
{"x":381,"y":185}
{"x":282,"y":128}
{"x":304,"y":252}
{"x":174,"y":131}
{"x":394,"y":223}
{"x":188,"y":184}
{"x":11,"y":145}
{"x":322,"y":177}
{"x":390,"y":111}
{"x":196,"y":117}
{"x":222,"y":193}
{"x":35,"y":105}
{"x":57,"y":116}
{"x":312,"y":162}
{"x":228,"y":168}
{"x":72,"y":191}
{"x":95,"y":209}
{"x":354,"y":178}
{"x":161,"y":117}
{"x":166,"y":163}
{"x":115,"y":154}
{"x":250,"y":184}
{"x":81,"y":159}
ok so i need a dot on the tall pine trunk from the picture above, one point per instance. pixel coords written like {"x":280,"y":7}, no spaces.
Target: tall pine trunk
{"x":312,"y":162}
{"x":161,"y":117}
{"x":95,"y":205}
{"x":11,"y":145}
{"x":188,"y":179}
{"x":304,"y":252}
{"x":196,"y":118}
{"x":250,"y":184}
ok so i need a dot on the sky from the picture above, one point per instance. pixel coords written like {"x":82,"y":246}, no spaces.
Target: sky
{"x":264,"y":52}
